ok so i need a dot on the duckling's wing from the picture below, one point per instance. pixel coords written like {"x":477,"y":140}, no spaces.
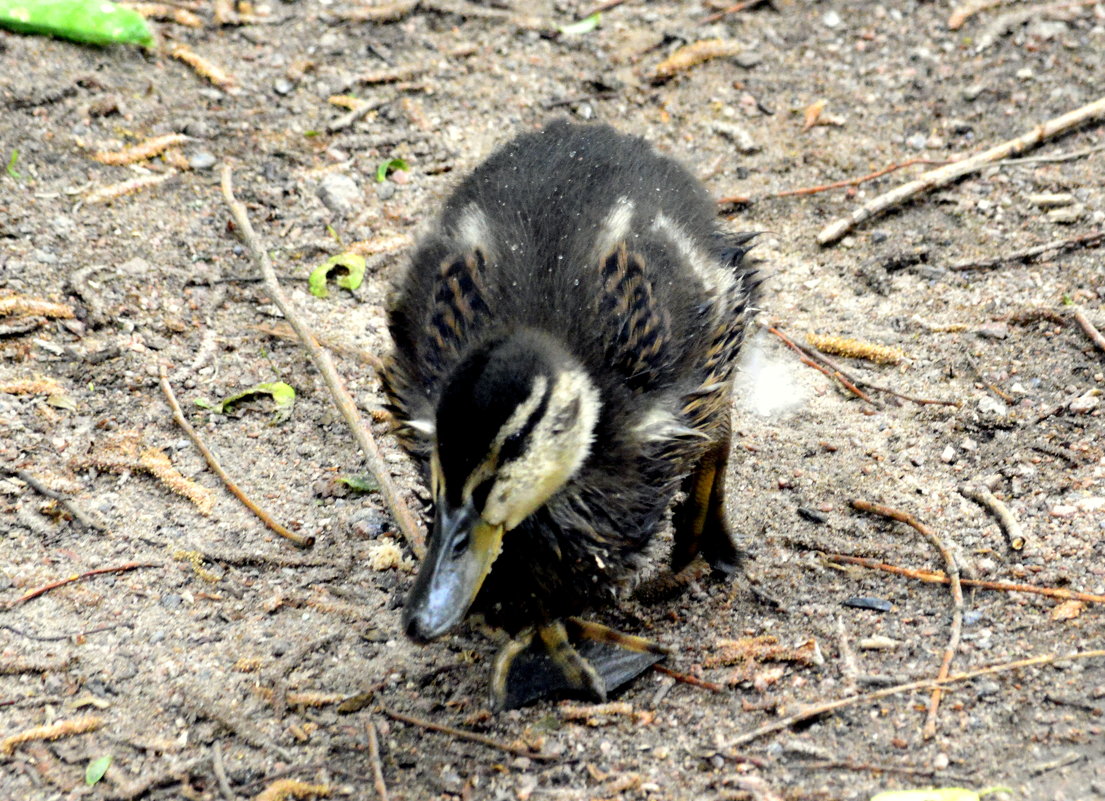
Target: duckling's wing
{"x":638,"y":341}
{"x":436,"y":315}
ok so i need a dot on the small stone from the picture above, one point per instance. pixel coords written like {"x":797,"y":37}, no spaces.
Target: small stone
{"x":879,"y":643}
{"x":948,"y":455}
{"x":283,"y":86}
{"x":1050,"y":200}
{"x":992,"y":406}
{"x":917,"y":141}
{"x":386,"y":190}
{"x":738,"y":135}
{"x":340,"y":193}
{"x":987,"y":687}
{"x":748,"y":58}
{"x":993,"y":330}
{"x":171,"y":600}
{"x":941,"y":762}
{"x":831,"y":19}
{"x":201,"y":160}
{"x":1067,"y":214}
{"x":1084,"y":405}
{"x":864,"y":602}
{"x":973,"y":92}
{"x":1062,"y":510}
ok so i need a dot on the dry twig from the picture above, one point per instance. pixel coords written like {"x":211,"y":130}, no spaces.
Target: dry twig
{"x":74,"y":508}
{"x":79,"y":577}
{"x":1014,"y":535}
{"x":687,"y":678}
{"x":400,"y":513}
{"x":470,"y":736}
{"x":932,"y":577}
{"x":1090,"y":329}
{"x":744,"y":5}
{"x":374,"y":757}
{"x":816,"y":710}
{"x":1089,"y":240}
{"x":952,"y":567}
{"x":213,"y":462}
{"x":951,"y":172}
{"x":832,"y":374}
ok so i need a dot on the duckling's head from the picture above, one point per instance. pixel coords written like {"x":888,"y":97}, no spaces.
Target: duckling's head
{"x":514,"y":424}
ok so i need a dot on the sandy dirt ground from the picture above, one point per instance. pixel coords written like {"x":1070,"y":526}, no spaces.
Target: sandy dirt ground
{"x":213,"y":669}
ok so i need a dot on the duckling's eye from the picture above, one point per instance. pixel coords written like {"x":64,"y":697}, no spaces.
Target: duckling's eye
{"x":480,"y":493}
{"x":512,"y":446}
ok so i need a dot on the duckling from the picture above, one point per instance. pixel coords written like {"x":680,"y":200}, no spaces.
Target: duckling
{"x":565,"y":341}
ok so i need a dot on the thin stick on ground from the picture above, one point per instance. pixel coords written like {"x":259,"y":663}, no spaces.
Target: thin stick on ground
{"x":813,"y":190}
{"x":1014,"y":534}
{"x":821,"y":358}
{"x":1090,"y":329}
{"x":100,"y":571}
{"x":744,"y":5}
{"x":470,"y":736}
{"x":1057,"y":245}
{"x":942,"y":176}
{"x":374,"y":757}
{"x":213,"y":462}
{"x":929,"y":729}
{"x":816,"y":710}
{"x":687,"y":678}
{"x":832,"y":374}
{"x":72,"y":506}
{"x":932,"y":577}
{"x":406,"y":522}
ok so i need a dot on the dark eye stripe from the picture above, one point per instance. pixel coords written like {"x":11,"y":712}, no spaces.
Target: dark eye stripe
{"x":514,"y":445}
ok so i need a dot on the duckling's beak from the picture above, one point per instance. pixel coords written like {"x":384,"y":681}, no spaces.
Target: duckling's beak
{"x":461,"y":551}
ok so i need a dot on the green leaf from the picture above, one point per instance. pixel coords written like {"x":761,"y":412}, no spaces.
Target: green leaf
{"x":360,"y":483}
{"x":96,"y":769}
{"x":389,"y":166}
{"x":282,"y":394}
{"x":347,"y":269}
{"x":585,"y":25}
{"x":99,"y":22}
{"x":12,"y":159}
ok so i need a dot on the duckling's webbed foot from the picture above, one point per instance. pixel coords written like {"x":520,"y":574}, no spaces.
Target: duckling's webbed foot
{"x":547,"y":661}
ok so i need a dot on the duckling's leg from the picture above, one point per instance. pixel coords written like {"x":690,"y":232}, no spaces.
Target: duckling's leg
{"x":699,"y":521}
{"x":589,"y":630}
{"x":593,"y":661}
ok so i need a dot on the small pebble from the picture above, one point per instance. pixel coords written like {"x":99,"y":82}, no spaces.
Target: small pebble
{"x":948,"y":455}
{"x":812,"y":515}
{"x":831,"y":19}
{"x":201,"y":160}
{"x":864,"y":602}
{"x":340,"y":193}
{"x":878,"y":643}
{"x":990,"y":405}
{"x":1067,"y":214}
{"x":283,"y":86}
{"x":993,"y":330}
{"x":1084,"y":405}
